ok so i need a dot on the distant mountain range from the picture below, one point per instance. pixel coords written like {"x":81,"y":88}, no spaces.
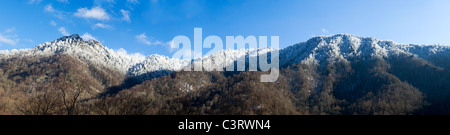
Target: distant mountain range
{"x":339,"y":74}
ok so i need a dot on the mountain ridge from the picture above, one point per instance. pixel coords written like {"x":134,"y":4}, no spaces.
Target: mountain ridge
{"x":340,"y":74}
{"x":313,"y":51}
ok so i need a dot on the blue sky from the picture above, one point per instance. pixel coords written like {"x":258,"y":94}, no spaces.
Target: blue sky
{"x":145,"y":26}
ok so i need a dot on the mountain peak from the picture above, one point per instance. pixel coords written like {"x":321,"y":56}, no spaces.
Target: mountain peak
{"x":73,"y":37}
{"x":339,"y":35}
{"x":342,"y":36}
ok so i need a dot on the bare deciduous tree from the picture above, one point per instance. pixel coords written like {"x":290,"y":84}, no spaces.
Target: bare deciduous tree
{"x":44,"y":102}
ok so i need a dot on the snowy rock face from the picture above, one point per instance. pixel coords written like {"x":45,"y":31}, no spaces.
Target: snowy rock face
{"x":157,"y":65}
{"x":317,"y":50}
{"x":92,"y":52}
{"x":345,"y":46}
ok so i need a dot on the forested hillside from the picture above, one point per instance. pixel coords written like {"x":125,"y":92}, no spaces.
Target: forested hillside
{"x":333,"y":75}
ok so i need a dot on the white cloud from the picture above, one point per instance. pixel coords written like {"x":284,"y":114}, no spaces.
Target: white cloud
{"x":93,"y":13}
{"x":7,"y":40}
{"x":133,"y":1}
{"x":28,"y":40}
{"x":144,"y":39}
{"x":124,"y":52}
{"x":325,"y":31}
{"x":53,"y":23}
{"x":63,"y":31}
{"x":34,"y":1}
{"x":87,"y":36}
{"x":102,"y":25}
{"x":121,"y":51}
{"x":126,"y":15}
{"x":104,"y":3}
{"x":9,"y":37}
{"x":10,"y":30}
{"x":49,"y":8}
{"x":64,"y":1}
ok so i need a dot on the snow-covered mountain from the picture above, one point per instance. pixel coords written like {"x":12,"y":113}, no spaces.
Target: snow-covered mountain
{"x":345,"y":46}
{"x":340,"y":74}
{"x":92,"y":52}
{"x":314,"y":51}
